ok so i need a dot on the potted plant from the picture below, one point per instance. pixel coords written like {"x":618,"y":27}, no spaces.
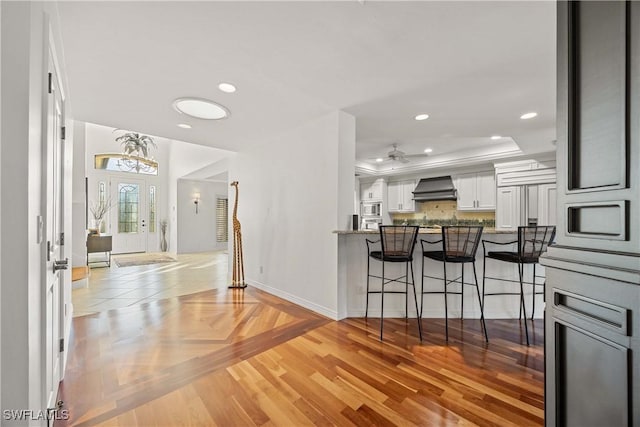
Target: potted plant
{"x":99,"y":211}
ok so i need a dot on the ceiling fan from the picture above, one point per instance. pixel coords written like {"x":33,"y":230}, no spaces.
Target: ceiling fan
{"x":401,"y":156}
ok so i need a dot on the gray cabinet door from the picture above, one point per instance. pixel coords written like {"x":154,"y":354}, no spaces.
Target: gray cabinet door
{"x":592,"y":290}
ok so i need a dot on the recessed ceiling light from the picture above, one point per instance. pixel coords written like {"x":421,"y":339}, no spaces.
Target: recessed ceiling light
{"x":528,"y":115}
{"x":227,"y":87}
{"x":428,"y":150}
{"x":496,"y":137}
{"x":201,"y":108}
{"x":379,"y":159}
{"x":422,"y":117}
{"x":184,"y":126}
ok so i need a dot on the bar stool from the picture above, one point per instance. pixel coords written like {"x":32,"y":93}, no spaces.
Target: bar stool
{"x":397,"y":244}
{"x":459,"y":246}
{"x":532,"y":242}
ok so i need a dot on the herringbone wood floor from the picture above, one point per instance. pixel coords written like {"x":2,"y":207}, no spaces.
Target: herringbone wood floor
{"x":232,"y":357}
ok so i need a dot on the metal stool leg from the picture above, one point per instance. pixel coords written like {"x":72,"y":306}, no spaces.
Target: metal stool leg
{"x":422,"y":290}
{"x":446,"y":310}
{"x":406,"y":291}
{"x":484,"y":276}
{"x":484,"y":325}
{"x":462,"y":293}
{"x":366,"y":310}
{"x":415,"y":299}
{"x":382,"y":302}
{"x":522,"y":307}
{"x":533,"y":306}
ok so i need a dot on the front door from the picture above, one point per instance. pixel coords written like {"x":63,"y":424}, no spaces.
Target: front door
{"x":53,"y":234}
{"x":129,"y":225}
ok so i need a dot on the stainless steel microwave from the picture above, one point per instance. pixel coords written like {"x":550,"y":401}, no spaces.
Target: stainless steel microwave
{"x":371,"y":209}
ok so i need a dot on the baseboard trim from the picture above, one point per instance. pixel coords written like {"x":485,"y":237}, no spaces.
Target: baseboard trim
{"x":316,"y":308}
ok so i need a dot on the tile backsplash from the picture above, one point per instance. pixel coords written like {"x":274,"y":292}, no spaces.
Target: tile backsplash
{"x":444,"y":213}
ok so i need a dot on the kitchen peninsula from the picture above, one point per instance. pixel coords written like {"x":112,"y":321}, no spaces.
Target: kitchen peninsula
{"x":352,"y":279}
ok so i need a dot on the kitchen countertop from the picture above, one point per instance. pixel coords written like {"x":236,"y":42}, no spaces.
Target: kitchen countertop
{"x":423,"y":230}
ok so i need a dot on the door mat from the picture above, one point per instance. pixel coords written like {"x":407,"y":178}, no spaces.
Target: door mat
{"x":142,"y":259}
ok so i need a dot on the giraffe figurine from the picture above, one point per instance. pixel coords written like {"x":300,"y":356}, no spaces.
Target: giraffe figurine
{"x":238,"y":263}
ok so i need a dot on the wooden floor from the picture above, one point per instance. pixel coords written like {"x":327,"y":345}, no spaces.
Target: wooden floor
{"x":232,"y":357}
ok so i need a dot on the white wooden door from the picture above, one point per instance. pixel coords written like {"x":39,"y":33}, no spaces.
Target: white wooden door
{"x":394,"y":196}
{"x":408,"y":204}
{"x":466,"y":186}
{"x":54,"y":266}
{"x":129,"y":218}
{"x":486,"y":190}
{"x":508,"y":208}
{"x":547,"y":199}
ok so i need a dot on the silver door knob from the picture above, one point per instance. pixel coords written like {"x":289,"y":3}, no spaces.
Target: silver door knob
{"x":60,"y":264}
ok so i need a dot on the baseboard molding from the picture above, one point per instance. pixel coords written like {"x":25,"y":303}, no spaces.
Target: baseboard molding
{"x":332,"y":314}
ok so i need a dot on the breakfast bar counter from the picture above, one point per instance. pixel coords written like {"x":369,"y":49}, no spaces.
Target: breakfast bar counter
{"x":352,"y":279}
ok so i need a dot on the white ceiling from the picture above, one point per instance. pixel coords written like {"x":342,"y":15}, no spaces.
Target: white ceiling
{"x":474,"y":67}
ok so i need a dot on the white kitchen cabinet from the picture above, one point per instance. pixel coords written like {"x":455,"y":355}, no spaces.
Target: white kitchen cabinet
{"x":400,"y":196}
{"x":476,"y":191}
{"x":547,"y":196}
{"x":372,"y":191}
{"x":508,"y":211}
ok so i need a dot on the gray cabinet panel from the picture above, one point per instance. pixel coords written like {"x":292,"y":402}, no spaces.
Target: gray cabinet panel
{"x":592,"y":344}
{"x":594,"y":392}
{"x":598,"y":65}
{"x":592,"y":322}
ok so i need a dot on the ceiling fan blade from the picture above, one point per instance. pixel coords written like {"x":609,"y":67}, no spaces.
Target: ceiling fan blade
{"x":403,"y":160}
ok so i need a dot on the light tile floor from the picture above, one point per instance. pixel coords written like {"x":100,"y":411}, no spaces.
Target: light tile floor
{"x":117,"y":287}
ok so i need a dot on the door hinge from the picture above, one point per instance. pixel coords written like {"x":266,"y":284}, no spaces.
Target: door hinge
{"x":63,"y":132}
{"x":61,"y":345}
{"x":62,"y":239}
{"x":50,"y":83}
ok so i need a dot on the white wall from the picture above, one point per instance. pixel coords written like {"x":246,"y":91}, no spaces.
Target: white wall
{"x":185,"y":158}
{"x":23,"y":77}
{"x":291,"y":198}
{"x":1,"y":210}
{"x":78,"y":211}
{"x":197,"y":232}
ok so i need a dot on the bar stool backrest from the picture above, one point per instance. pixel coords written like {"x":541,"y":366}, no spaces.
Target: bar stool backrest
{"x":534,"y":240}
{"x":460,"y":241}
{"x":398,"y":240}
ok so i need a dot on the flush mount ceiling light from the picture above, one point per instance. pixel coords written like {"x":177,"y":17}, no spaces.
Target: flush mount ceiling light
{"x":184,"y":126}
{"x":428,"y":150}
{"x":530,"y":115}
{"x":227,"y":87}
{"x":422,"y":117}
{"x":494,"y":137}
{"x":201,"y":108}
{"x":379,"y":159}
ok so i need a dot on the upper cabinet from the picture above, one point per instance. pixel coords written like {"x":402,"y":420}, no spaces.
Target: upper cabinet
{"x":372,"y":191}
{"x":476,"y":191}
{"x":400,"y":196}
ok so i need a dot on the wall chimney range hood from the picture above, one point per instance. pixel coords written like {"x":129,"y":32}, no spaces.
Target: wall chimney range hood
{"x":440,"y":188}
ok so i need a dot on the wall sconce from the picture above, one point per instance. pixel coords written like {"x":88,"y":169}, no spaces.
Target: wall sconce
{"x":196,"y":200}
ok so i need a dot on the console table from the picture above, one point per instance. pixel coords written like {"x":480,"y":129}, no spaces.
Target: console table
{"x":96,"y":243}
